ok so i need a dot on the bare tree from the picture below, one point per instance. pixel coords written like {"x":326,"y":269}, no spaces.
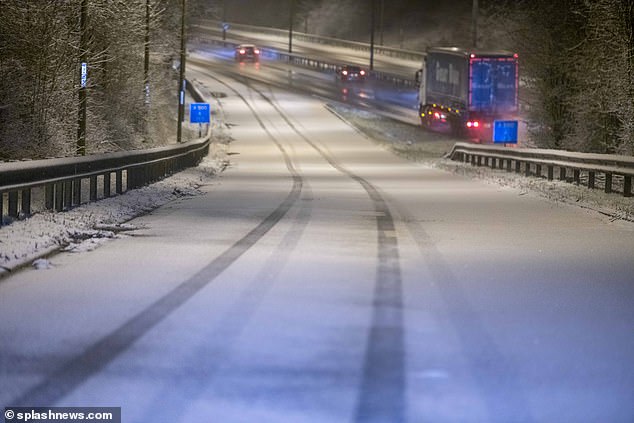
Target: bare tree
{"x":40,"y":75}
{"x":545,"y":33}
{"x":577,"y":59}
{"x":604,"y":106}
{"x":37,"y":49}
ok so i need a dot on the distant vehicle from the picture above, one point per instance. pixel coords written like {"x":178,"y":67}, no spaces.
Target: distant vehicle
{"x":468,"y":90}
{"x":247,"y":52}
{"x":351,"y":73}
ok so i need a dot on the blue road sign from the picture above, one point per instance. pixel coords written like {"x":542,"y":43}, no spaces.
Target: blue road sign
{"x":84,"y":74}
{"x":199,"y":113}
{"x":505,"y":131}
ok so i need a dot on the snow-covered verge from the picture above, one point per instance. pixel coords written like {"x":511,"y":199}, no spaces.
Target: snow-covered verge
{"x":87,"y":226}
{"x":414,"y":143}
{"x":613,"y":205}
{"x":83,"y":228}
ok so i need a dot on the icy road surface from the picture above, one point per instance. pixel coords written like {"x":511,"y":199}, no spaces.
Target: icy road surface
{"x":322,"y":279}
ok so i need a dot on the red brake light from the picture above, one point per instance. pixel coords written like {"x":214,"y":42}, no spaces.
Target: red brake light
{"x":345,"y":72}
{"x":256,"y":51}
{"x":473,"y":124}
{"x":242,"y":51}
{"x":362,"y":72}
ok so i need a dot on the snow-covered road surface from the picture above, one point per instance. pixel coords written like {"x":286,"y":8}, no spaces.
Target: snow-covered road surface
{"x":322,"y":279}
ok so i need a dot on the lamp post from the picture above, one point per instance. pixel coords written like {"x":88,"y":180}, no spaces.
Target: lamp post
{"x":474,"y":24}
{"x":381,"y":21}
{"x":146,"y":64}
{"x":181,"y":79}
{"x":291,"y":14}
{"x":372,"y":19}
{"x":224,"y":20}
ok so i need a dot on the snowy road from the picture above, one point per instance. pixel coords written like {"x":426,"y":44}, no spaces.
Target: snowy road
{"x":321,"y":279}
{"x":398,"y":103}
{"x":406,"y":68}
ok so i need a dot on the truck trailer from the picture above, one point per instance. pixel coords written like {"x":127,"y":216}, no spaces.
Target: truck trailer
{"x":465,"y":90}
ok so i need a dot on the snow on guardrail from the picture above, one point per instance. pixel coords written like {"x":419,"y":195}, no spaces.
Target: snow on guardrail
{"x":614,"y":171}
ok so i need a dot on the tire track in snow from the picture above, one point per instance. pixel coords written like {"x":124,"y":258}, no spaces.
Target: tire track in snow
{"x":95,"y":358}
{"x":235,"y":319}
{"x":382,"y":390}
{"x":504,"y":395}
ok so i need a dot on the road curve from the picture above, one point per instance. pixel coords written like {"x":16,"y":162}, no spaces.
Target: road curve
{"x":323,"y":279}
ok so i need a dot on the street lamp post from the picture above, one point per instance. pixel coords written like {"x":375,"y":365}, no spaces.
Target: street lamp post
{"x":372,"y":25}
{"x":381,"y":21}
{"x":474,"y":24}
{"x":146,"y":64}
{"x":291,"y":14}
{"x":181,"y":79}
{"x":224,"y":20}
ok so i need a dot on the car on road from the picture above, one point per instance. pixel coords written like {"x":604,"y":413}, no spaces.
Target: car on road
{"x":351,"y":73}
{"x":247,"y":52}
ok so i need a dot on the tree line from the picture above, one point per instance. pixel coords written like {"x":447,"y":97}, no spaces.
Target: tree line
{"x":577,"y":58}
{"x":577,"y":64}
{"x":41,"y":46}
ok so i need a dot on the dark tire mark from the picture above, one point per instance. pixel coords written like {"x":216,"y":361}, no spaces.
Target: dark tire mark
{"x":232,"y":323}
{"x":229,"y":328}
{"x":503,"y":394}
{"x":382,"y":391}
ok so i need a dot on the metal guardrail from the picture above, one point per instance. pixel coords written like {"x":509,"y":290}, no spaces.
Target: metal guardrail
{"x":63,"y":180}
{"x":572,"y":167}
{"x":333,"y":67}
{"x":318,"y":39}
